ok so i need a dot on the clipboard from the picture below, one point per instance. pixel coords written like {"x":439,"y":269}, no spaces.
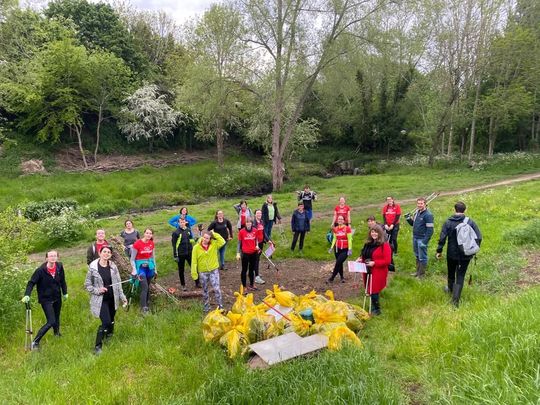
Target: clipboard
{"x":356,"y":267}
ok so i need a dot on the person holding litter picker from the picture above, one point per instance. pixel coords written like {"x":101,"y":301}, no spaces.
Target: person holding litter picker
{"x":50,"y":281}
{"x":341,"y":246}
{"x":105,"y":287}
{"x":143,"y":262}
{"x":377,"y":255}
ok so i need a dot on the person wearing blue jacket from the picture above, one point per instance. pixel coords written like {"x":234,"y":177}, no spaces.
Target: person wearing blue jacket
{"x":299,"y":226}
{"x":182,"y":214}
{"x":422,"y":223}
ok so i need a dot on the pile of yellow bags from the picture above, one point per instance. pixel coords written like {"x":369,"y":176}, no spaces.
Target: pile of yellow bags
{"x":311,"y":313}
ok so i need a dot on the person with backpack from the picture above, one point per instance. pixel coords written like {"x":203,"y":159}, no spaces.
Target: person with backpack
{"x":422,"y":222}
{"x":341,"y":209}
{"x":130,"y":236}
{"x":307,"y":197}
{"x":464,"y":239}
{"x":92,"y":253}
{"x":182,"y":244}
{"x":244,"y":212}
{"x":103,"y":282}
{"x":50,"y":281}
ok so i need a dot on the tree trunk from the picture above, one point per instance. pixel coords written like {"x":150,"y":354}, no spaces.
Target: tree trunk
{"x":219,"y":142}
{"x":450,"y":133}
{"x":473,"y":123}
{"x":100,"y":119}
{"x":491,"y":137}
{"x":277,"y":166}
{"x":78,"y":130}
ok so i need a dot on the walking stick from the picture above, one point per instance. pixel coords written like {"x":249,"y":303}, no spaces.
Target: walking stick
{"x":28,"y":337}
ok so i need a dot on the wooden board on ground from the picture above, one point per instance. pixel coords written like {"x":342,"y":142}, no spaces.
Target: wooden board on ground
{"x":288,"y":346}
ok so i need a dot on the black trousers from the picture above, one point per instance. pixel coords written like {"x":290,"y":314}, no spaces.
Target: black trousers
{"x":456,"y":271}
{"x":393,"y":237}
{"x":52,"y":314}
{"x":341,"y":256}
{"x":302,"y":235}
{"x":182,"y":259}
{"x":106,"y":315}
{"x":258,"y":261}
{"x":249,"y":262}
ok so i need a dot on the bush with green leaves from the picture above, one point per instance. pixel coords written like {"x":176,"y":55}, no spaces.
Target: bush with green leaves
{"x":39,"y":210}
{"x":68,"y":226}
{"x":17,"y":234}
{"x":241,"y":179}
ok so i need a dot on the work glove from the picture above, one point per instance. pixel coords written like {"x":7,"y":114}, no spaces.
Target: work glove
{"x":238,"y":256}
{"x":66,"y":296}
{"x":330,"y":250}
{"x":26,"y":299}
{"x":349,"y":252}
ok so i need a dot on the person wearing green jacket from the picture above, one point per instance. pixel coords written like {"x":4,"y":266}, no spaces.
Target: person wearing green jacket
{"x":205,"y":265}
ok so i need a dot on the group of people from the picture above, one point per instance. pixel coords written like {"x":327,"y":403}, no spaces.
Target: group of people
{"x":204,"y":251}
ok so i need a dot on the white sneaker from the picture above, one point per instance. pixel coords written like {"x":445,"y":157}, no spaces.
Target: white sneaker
{"x":259,"y":280}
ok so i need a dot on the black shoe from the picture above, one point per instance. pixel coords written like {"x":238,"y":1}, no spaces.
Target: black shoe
{"x":342,"y":280}
{"x":34,"y":346}
{"x":97,"y":350}
{"x":58,"y":334}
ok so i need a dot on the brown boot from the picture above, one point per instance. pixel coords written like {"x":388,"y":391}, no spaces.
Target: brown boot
{"x":415,"y":274}
{"x":421,"y":270}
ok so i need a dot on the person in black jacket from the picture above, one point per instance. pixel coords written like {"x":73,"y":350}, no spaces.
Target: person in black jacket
{"x":457,"y":262}
{"x":299,"y":225}
{"x":222,"y":226}
{"x":49,"y":278}
{"x":270,"y":215}
{"x":182,"y":247}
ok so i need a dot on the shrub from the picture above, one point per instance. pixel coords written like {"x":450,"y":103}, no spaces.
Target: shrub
{"x":240,"y":179}
{"x":529,"y":234}
{"x":66,"y":227}
{"x":37,"y":211}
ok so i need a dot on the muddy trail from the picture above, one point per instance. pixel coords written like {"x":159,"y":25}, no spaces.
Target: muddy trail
{"x":81,"y":249}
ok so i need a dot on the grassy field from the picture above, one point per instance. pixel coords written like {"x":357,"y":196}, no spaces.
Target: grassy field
{"x":419,"y":351}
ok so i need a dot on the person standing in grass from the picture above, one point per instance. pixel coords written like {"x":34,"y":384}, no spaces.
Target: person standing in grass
{"x":343,"y":210}
{"x":243,"y":213}
{"x":262,"y":238}
{"x":103,"y":282}
{"x":341,"y":246}
{"x":307,"y":197}
{"x":143,"y":262}
{"x":205,"y":264}
{"x":50,"y":281}
{"x":248,"y":250}
{"x":222,"y":226}
{"x":422,"y":223}
{"x":182,"y":244}
{"x":456,"y":261}
{"x":300,"y":225}
{"x":270,"y":215}
{"x":130,"y":236}
{"x":92,"y":253}
{"x":391,"y":213}
{"x":376,"y":254}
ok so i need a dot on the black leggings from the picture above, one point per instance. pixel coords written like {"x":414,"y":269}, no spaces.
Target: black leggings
{"x":392,"y":238}
{"x":341,"y":256}
{"x":295,"y":238}
{"x":182,"y":259}
{"x":52,"y":313}
{"x":249,"y":260}
{"x":258,"y":261}
{"x":456,"y":271}
{"x":106,"y":314}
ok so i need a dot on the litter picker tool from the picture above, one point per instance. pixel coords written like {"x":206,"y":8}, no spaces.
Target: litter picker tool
{"x":428,"y":199}
{"x":276,"y":310}
{"x":120,"y":282}
{"x":167,"y":293}
{"x":28,"y":336}
{"x":369,"y":285}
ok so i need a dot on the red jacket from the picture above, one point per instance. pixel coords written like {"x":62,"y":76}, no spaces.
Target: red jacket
{"x":382,"y":256}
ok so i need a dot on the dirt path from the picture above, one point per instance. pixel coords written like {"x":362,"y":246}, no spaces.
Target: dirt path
{"x":81,"y":250}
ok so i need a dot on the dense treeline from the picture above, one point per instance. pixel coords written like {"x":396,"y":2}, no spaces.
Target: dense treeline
{"x":436,"y":76}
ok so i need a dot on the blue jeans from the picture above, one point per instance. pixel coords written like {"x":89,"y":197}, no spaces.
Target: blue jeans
{"x":309,"y":213}
{"x":221,"y":255}
{"x":420,"y":250}
{"x":268,"y":228}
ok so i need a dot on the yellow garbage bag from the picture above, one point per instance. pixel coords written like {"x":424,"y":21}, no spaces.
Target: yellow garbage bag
{"x":325,"y":328}
{"x":235,"y":341}
{"x":305,"y":301}
{"x":284,"y":298}
{"x":340,"y":336}
{"x":276,"y":328}
{"x":330,"y":295}
{"x":243,"y":302}
{"x":215,"y":324}
{"x":331,"y":311}
{"x":257,"y":323}
{"x":299,"y":325}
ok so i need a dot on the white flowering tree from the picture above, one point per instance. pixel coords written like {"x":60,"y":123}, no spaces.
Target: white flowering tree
{"x":147,"y":115}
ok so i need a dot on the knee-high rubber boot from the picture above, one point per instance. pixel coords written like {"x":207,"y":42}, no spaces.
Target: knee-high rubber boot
{"x":415,"y":274}
{"x":421,"y":270}
{"x":456,"y":294}
{"x":99,"y":340}
{"x":376,"y":306}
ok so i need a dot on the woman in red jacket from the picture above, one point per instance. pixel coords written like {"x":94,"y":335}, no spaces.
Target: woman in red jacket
{"x":376,"y":254}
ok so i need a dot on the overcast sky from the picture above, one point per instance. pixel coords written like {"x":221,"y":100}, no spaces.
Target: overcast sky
{"x":180,"y":10}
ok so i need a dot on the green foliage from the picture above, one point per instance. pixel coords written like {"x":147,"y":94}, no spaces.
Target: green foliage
{"x":528,"y":234}
{"x":39,"y":210}
{"x":240,"y":179}
{"x":67,"y":226}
